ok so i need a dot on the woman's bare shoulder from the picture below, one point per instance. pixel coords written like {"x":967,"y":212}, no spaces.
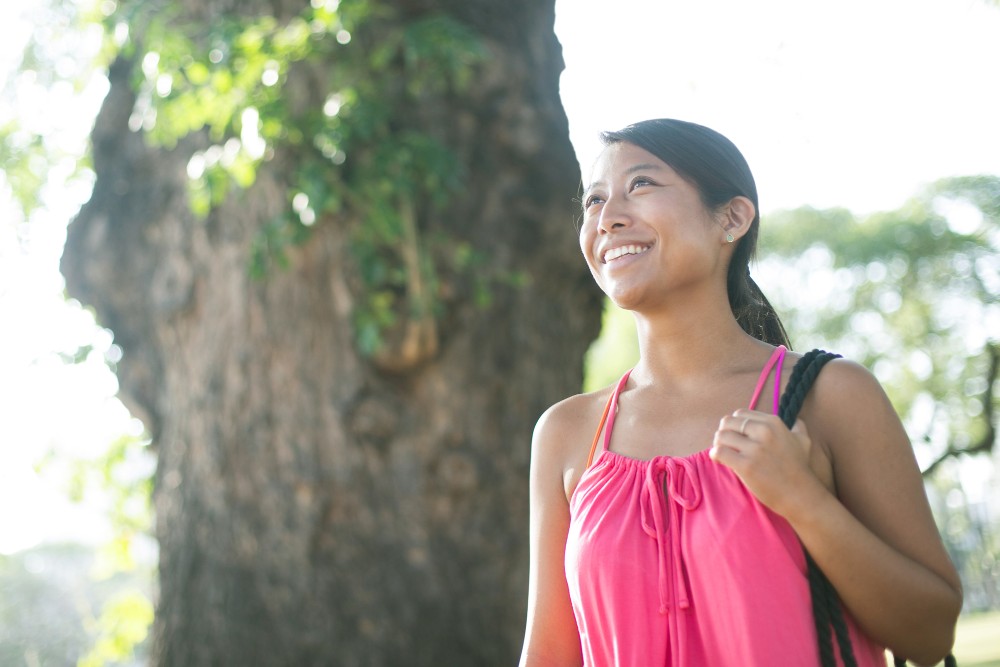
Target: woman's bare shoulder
{"x":563,"y":435}
{"x":845,"y":384}
{"x":565,"y":421}
{"x":851,"y":412}
{"x":840,"y":381}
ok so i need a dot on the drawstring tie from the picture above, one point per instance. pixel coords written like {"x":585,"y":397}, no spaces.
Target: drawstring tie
{"x":671,"y":485}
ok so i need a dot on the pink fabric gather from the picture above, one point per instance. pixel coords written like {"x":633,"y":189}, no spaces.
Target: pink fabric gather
{"x":674,"y":562}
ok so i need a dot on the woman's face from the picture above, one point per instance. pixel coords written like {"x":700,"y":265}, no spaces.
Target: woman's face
{"x":646,"y":233}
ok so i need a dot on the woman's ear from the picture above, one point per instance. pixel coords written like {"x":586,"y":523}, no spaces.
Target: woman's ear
{"x":738,"y":214}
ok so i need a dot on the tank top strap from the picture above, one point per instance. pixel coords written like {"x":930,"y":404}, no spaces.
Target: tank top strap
{"x":611,"y":408}
{"x":775,"y":362}
{"x":614,"y":409}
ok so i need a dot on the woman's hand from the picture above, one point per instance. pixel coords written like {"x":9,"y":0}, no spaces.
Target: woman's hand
{"x":783,"y":468}
{"x":872,"y":533}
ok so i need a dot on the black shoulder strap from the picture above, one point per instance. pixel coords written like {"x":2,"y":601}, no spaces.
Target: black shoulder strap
{"x":826,"y":606}
{"x":803,"y":375}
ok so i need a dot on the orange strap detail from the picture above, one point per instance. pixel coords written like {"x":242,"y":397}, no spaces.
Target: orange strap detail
{"x":600,"y":427}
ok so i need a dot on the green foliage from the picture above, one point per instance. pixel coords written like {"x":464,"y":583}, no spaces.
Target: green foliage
{"x":913,"y":294}
{"x":614,"y":351}
{"x":123,"y":625}
{"x":122,"y":473}
{"x":46,"y":610}
{"x":23,"y":160}
{"x":972,"y":542}
{"x":39,"y":157}
{"x":270,"y":245}
{"x":358,"y":153}
{"x":121,"y":478}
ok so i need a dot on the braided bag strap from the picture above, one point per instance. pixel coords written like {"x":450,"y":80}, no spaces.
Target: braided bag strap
{"x":827,"y":612}
{"x":803,"y":375}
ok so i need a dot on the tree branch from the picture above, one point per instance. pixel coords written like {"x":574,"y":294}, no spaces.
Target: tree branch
{"x":985,"y":443}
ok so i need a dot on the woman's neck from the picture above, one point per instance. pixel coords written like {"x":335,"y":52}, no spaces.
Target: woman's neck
{"x":685,"y":344}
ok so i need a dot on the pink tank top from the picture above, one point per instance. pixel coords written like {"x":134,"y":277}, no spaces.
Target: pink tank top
{"x":673,"y":562}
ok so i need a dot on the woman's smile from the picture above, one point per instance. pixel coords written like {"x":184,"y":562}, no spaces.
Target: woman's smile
{"x":614,"y":254}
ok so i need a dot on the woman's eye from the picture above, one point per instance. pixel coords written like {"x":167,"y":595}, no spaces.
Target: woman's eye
{"x":639,"y":181}
{"x":591,"y":200}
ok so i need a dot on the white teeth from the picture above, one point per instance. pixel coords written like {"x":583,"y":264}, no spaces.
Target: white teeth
{"x":615,"y":253}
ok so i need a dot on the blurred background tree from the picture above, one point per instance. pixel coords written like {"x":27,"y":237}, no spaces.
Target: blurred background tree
{"x":913,"y":294}
{"x":329,"y":239}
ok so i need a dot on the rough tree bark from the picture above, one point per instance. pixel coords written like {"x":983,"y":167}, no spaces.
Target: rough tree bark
{"x":311,"y":509}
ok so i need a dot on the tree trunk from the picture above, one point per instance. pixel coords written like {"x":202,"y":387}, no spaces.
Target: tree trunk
{"x":312,"y":509}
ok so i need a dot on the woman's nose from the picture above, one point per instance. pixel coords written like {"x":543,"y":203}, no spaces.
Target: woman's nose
{"x":614,"y":215}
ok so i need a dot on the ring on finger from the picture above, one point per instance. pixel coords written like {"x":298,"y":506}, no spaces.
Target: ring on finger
{"x":743,"y":426}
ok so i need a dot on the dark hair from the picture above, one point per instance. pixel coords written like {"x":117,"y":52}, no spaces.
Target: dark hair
{"x":713,"y":164}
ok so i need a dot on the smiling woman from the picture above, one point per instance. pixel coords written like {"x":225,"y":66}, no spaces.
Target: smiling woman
{"x":704,"y":518}
{"x":709,"y":179}
{"x":804,"y":111}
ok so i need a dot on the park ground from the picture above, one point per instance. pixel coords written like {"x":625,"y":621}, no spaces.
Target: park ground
{"x":977,"y":640}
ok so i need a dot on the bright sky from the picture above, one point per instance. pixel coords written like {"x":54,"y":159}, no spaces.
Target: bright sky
{"x":855,"y":103}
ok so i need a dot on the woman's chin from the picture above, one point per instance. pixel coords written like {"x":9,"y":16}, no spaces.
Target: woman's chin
{"x":625,"y":299}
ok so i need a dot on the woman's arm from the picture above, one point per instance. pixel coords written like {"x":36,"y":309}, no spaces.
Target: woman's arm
{"x":873,"y":535}
{"x":551,"y":638}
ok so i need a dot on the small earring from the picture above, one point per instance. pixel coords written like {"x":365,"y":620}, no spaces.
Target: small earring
{"x":729,"y":238}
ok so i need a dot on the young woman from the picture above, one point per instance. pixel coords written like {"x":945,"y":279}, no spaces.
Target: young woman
{"x":683,"y":542}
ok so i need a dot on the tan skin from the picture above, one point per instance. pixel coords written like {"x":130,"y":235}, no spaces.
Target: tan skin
{"x":847,"y":483}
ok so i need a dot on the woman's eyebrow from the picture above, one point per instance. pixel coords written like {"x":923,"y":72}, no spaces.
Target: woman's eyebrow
{"x":645,"y":166}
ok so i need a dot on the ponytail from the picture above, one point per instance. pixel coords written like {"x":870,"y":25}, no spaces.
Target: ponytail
{"x":753,"y":312}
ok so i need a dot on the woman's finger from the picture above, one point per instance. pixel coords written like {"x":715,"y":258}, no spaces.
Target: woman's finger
{"x":741,"y":422}
{"x":724,"y":454}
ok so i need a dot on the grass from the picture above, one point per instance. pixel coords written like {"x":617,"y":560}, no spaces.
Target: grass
{"x":977,"y":640}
